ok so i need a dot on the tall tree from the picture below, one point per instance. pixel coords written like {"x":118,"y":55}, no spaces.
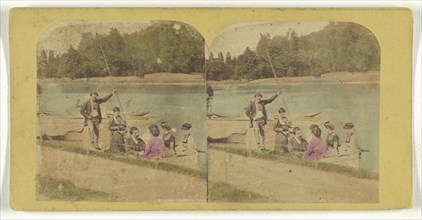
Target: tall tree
{"x":71,"y":63}
{"x":247,"y":65}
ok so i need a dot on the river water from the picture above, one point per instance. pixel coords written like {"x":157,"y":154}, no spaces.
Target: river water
{"x":177,"y":104}
{"x":338,"y":103}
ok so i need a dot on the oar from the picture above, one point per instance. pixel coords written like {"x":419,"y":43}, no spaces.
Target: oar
{"x":63,"y":136}
{"x":313,"y":115}
{"x":139,"y":114}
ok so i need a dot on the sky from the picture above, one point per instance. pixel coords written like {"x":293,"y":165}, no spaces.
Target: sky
{"x":233,"y":39}
{"x":236,"y":38}
{"x":61,"y":36}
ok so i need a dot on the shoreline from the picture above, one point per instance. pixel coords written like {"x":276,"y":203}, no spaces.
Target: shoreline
{"x":281,"y":83}
{"x":371,"y":77}
{"x":197,"y":79}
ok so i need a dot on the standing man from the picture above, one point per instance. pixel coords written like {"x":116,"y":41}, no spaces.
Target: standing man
{"x":210,"y":93}
{"x":92,"y":113}
{"x":258,"y":117}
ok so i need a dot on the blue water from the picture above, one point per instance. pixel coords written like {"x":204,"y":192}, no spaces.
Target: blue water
{"x":340,"y":103}
{"x":177,"y":104}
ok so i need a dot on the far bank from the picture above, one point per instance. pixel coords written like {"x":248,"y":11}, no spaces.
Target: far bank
{"x":336,"y":77}
{"x":198,"y":78}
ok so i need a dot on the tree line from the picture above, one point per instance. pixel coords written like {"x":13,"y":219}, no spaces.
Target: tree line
{"x":339,"y":46}
{"x":161,"y":47}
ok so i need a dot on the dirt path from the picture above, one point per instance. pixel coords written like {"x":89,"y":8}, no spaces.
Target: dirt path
{"x":282,"y":182}
{"x":127,"y":182}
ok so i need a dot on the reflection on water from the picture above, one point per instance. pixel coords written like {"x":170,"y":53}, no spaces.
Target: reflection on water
{"x":177,"y":104}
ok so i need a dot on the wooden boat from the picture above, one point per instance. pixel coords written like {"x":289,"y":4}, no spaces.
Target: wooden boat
{"x":65,"y":127}
{"x":223,"y":127}
{"x":108,"y":115}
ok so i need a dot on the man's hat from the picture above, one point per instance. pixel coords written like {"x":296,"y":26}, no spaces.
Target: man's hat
{"x":348,"y":125}
{"x":257,"y":94}
{"x":186,"y":126}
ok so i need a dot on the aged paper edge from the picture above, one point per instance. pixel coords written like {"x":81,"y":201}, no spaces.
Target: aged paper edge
{"x":391,"y":26}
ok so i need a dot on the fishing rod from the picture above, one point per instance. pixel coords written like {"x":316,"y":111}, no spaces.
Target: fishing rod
{"x":275,"y":75}
{"x":112,"y":81}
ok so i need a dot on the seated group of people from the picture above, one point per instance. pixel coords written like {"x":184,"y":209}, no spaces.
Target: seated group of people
{"x":150,"y":145}
{"x":290,"y":139}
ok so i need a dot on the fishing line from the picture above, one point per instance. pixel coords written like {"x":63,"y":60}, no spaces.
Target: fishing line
{"x":112,"y":81}
{"x":272,"y":68}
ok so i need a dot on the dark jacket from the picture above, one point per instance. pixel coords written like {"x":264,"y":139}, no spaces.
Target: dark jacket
{"x":117,"y":140}
{"x":133,"y":146}
{"x":210,"y":91}
{"x":251,"y":109}
{"x":296,"y":146}
{"x":331,"y":139}
{"x":86,"y":108}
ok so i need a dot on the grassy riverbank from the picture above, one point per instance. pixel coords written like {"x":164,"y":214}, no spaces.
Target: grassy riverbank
{"x":223,"y":192}
{"x":295,"y":160}
{"x":74,"y":147}
{"x":65,"y":190}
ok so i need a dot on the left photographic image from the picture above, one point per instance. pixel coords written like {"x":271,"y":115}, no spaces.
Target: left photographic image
{"x":120,"y":109}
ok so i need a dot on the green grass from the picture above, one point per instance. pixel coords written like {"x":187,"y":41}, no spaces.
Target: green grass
{"x":223,"y":192}
{"x":66,"y":190}
{"x":74,"y":147}
{"x":295,"y":160}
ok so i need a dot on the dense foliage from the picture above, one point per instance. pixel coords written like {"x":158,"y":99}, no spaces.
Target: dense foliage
{"x":177,"y":48}
{"x":338,"y":47}
{"x":161,"y":47}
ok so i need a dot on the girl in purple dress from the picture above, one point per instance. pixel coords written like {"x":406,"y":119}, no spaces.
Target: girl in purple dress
{"x":155,"y":145}
{"x":317,"y":148}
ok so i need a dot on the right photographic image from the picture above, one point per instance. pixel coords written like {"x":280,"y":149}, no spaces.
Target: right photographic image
{"x":293,"y":113}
